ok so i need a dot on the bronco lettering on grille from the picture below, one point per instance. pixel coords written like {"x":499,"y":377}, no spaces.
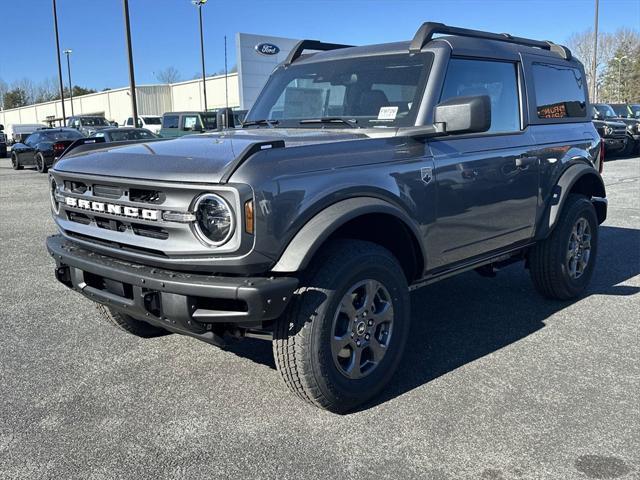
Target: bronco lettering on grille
{"x":102,"y":207}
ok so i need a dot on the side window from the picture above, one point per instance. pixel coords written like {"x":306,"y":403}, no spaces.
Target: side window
{"x":560,"y":91}
{"x":32,"y":139}
{"x":191,"y":122}
{"x":498,"y":80}
{"x":168,"y":121}
{"x":129,"y":121}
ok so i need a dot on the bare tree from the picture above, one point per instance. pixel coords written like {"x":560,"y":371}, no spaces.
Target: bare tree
{"x":4,"y":88}
{"x":168,"y":75}
{"x":581,"y":44}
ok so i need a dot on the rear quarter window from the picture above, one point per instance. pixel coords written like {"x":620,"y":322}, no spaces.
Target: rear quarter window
{"x":170,"y":121}
{"x":560,"y":91}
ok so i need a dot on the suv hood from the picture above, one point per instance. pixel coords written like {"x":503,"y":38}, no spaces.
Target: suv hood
{"x":193,"y":158}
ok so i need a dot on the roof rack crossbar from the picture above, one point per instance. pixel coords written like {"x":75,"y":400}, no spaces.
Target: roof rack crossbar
{"x":303,"y":45}
{"x":428,"y":29}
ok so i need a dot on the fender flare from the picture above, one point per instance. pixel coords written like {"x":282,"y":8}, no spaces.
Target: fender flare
{"x":316,"y":231}
{"x":561,"y":190}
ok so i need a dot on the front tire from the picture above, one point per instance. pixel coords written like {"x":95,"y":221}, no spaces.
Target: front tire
{"x":629,"y":147}
{"x":41,"y":164}
{"x":561,"y":266}
{"x":129,"y":324}
{"x":15,"y":163}
{"x":343,"y":335}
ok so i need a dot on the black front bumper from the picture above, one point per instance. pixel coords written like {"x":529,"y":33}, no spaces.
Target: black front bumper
{"x":192,"y":304}
{"x":615,"y":143}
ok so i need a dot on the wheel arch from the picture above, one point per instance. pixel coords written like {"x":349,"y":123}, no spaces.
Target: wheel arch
{"x":577,"y":179}
{"x":362,"y":218}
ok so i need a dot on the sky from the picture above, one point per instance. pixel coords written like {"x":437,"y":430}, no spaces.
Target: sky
{"x":165,"y":32}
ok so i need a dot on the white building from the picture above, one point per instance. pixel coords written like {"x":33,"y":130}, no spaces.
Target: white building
{"x":238,"y":90}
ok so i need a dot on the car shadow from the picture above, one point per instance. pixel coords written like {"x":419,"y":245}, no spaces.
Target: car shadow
{"x":466,"y":317}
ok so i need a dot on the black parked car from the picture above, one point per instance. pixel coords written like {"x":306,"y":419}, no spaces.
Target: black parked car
{"x":624,"y":113}
{"x":42,"y":148}
{"x":612,"y":131}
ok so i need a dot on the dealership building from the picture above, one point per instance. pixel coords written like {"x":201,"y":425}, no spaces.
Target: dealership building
{"x":257,"y":56}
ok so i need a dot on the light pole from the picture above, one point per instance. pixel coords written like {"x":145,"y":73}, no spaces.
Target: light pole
{"x":594,"y":62}
{"x":132,"y":78}
{"x":55,"y":27}
{"x":68,"y":52}
{"x":620,"y":60}
{"x":199,"y":4}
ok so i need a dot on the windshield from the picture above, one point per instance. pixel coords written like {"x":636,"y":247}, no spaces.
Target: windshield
{"x":130,"y":134}
{"x":379,"y":91}
{"x":605,"y":111}
{"x":94,"y":122}
{"x":621,"y":110}
{"x":66,"y":135}
{"x":152,"y":120}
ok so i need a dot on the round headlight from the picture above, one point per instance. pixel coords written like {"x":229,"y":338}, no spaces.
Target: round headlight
{"x":214,"y":219}
{"x":53,"y":189}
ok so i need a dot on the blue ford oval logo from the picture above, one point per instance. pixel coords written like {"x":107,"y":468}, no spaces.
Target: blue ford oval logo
{"x":267,"y":49}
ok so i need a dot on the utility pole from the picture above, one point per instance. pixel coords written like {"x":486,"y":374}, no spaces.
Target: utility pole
{"x":594,"y":63}
{"x":68,"y":52}
{"x":199,"y":4}
{"x":55,"y":26}
{"x":226,"y":75}
{"x":132,"y":78}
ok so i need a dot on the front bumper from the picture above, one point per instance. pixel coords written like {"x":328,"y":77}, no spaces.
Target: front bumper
{"x":617,"y":143}
{"x":191,"y":304}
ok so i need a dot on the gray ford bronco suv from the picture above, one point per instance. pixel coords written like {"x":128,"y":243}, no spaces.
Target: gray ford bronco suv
{"x":360,"y":174}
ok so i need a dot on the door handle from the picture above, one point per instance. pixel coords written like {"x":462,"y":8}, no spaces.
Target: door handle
{"x":522,"y":163}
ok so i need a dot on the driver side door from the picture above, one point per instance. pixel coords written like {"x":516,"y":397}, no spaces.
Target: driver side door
{"x":487,"y":183}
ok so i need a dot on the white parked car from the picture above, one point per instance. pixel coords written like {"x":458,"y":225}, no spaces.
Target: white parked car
{"x":150,"y":122}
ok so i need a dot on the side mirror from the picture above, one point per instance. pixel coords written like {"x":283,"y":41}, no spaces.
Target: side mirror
{"x":1,"y":127}
{"x":596,"y":115}
{"x":464,"y":114}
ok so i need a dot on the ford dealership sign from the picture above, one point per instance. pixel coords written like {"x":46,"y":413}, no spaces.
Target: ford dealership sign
{"x":267,"y":49}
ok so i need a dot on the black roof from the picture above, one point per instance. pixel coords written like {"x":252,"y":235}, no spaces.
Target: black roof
{"x":481,"y":44}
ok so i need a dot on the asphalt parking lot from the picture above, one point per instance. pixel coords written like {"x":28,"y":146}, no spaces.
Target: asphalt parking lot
{"x":497,"y":383}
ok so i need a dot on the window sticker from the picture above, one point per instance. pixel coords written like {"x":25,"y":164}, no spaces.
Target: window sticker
{"x":387,"y":113}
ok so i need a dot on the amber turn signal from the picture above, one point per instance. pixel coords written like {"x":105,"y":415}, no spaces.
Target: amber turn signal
{"x":249,"y":221}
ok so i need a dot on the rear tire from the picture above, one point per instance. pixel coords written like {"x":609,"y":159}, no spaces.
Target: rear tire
{"x":15,"y":163}
{"x":343,"y":335}
{"x":561,"y":266}
{"x":41,"y":164}
{"x":130,"y":324}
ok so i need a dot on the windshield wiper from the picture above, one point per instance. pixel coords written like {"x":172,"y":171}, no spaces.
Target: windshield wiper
{"x":269,"y":123}
{"x":351,"y":123}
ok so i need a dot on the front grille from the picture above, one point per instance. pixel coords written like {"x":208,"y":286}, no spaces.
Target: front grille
{"x":75,"y":187}
{"x":150,"y":231}
{"x":107,"y":191}
{"x":110,"y":224}
{"x":127,"y":216}
{"x":79,"y":218}
{"x":146,"y":196}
